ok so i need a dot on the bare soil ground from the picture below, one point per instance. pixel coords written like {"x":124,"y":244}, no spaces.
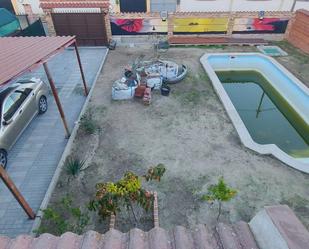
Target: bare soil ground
{"x":190,"y":133}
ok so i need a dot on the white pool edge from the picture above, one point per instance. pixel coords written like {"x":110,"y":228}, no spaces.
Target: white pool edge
{"x":245,"y":137}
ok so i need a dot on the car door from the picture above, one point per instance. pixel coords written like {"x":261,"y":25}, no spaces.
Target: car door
{"x":17,"y":113}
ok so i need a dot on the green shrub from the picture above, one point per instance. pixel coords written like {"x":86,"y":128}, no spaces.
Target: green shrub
{"x":87,"y":123}
{"x":63,"y":218}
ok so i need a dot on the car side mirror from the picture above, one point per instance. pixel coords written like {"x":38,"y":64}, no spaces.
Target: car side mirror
{"x":7,"y":122}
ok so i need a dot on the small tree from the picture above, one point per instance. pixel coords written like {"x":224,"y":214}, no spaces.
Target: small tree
{"x":220,"y":192}
{"x":111,"y":196}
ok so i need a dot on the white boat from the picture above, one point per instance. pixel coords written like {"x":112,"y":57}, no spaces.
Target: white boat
{"x":170,"y":71}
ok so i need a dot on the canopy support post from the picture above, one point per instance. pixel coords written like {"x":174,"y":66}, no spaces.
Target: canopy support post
{"x":56,"y":97}
{"x":81,"y":69}
{"x":17,"y":195}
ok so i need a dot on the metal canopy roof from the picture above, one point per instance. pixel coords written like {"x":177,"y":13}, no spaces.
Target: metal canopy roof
{"x":21,"y":54}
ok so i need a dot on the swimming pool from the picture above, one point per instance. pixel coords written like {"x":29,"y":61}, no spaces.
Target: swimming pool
{"x":268,"y":106}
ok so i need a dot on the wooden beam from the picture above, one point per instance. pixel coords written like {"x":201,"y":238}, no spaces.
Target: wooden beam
{"x":55,"y":94}
{"x":14,"y":190}
{"x":81,"y":69}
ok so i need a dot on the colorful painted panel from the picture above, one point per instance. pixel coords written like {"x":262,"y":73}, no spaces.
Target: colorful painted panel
{"x":200,"y":25}
{"x":258,"y":26}
{"x":138,"y":26}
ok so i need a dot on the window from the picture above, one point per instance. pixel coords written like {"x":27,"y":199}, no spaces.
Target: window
{"x":8,"y":109}
{"x":163,"y":5}
{"x":133,"y":6}
{"x":13,"y":102}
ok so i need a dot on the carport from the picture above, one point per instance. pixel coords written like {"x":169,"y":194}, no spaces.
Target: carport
{"x":20,"y":55}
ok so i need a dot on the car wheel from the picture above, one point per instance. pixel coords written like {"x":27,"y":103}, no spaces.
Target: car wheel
{"x":3,"y":158}
{"x":42,"y":105}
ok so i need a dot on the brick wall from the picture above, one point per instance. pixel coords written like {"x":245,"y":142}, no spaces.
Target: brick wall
{"x":298,"y":32}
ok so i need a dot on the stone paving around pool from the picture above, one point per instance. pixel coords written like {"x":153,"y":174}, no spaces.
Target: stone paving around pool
{"x":34,"y":158}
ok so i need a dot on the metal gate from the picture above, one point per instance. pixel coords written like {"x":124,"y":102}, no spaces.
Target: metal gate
{"x":89,"y":28}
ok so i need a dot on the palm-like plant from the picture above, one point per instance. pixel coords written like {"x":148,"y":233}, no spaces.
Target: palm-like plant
{"x":74,"y":166}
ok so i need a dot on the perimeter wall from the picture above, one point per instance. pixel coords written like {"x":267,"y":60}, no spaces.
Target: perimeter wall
{"x":298,"y":31}
{"x":270,"y":24}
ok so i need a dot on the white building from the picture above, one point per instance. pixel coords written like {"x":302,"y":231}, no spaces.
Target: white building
{"x":186,"y":5}
{"x":19,"y":6}
{"x":242,"y":5}
{"x":209,"y":5}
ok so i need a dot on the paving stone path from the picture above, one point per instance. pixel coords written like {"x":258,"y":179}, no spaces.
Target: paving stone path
{"x":34,"y":158}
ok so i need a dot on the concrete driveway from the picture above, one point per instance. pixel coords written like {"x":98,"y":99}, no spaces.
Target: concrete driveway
{"x":34,"y":158}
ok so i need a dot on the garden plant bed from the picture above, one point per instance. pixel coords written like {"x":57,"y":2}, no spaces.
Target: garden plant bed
{"x":191,"y":134}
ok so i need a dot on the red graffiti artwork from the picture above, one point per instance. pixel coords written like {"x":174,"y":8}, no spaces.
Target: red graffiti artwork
{"x":264,"y":24}
{"x":130,"y":25}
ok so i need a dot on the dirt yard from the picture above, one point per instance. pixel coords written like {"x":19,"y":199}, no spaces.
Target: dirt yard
{"x":191,"y":134}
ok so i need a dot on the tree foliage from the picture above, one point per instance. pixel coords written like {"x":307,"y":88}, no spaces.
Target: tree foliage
{"x":155,"y":173}
{"x":111,"y":196}
{"x":220,"y":192}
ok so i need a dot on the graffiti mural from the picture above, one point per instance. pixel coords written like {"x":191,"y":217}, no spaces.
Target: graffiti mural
{"x":200,"y":25}
{"x":258,"y":26}
{"x":138,"y":26}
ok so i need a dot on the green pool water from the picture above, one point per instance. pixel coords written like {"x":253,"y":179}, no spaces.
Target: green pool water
{"x":267,"y":116}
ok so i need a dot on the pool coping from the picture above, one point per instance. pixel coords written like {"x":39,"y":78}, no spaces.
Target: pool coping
{"x":245,"y":137}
